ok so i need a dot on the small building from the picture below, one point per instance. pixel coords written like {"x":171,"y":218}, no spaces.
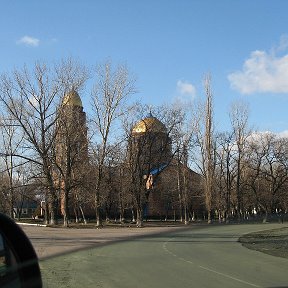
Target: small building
{"x":25,"y":209}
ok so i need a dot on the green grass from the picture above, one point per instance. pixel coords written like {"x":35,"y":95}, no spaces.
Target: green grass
{"x":273,"y":242}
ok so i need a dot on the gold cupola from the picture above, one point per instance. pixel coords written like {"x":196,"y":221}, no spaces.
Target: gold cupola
{"x":149,"y":124}
{"x":72,"y":98}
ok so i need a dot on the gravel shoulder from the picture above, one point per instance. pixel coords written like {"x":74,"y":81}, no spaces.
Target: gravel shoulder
{"x":273,"y":242}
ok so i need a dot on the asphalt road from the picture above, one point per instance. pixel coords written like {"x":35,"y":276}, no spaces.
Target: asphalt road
{"x":200,"y":256}
{"x":49,"y":242}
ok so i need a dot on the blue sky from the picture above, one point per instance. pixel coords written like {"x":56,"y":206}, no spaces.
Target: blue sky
{"x":168,"y":44}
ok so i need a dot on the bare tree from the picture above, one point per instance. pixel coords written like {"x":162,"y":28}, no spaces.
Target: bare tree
{"x":267,"y":174}
{"x":182,"y":138}
{"x":209,"y":150}
{"x":203,"y":137}
{"x":31,"y":100}
{"x":71,"y":152}
{"x":4,"y":193}
{"x":225,"y":173}
{"x":110,"y":93}
{"x":117,"y":191}
{"x":11,"y":141}
{"x":239,"y":121}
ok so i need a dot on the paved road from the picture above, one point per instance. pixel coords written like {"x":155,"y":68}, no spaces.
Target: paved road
{"x":49,"y":241}
{"x":205,"y":256}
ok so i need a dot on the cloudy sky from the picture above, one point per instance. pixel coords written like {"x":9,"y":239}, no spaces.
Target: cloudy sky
{"x":169,"y":44}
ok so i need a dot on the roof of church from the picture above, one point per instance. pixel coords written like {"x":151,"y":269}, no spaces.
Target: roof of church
{"x":72,"y":98}
{"x":149,"y":124}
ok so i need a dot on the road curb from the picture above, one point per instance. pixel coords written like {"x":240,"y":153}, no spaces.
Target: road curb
{"x":31,"y":224}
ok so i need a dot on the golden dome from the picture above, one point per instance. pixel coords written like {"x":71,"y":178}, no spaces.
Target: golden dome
{"x":72,"y":99}
{"x":149,"y":124}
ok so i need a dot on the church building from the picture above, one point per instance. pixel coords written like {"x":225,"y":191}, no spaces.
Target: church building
{"x":71,"y":151}
{"x":165,"y":177}
{"x":167,"y":187}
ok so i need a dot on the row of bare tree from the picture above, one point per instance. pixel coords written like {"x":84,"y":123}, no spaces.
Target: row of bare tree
{"x":243,"y":172}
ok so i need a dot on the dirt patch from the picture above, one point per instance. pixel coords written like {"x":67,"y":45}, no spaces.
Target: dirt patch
{"x":273,"y":242}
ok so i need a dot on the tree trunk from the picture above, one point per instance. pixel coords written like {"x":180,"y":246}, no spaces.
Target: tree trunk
{"x":11,"y":203}
{"x":179,"y":192}
{"x":209,"y":219}
{"x":238,"y":190}
{"x":66,"y":209}
{"x":65,"y":221}
{"x":52,"y":215}
{"x":53,"y":211}
{"x":186,"y":217}
{"x":76,"y":215}
{"x":265,"y":219}
{"x":133,"y":215}
{"x":46,"y":211}
{"x":139,"y":220}
{"x":83,"y":215}
{"x":121,"y":209}
{"x":97,"y":209}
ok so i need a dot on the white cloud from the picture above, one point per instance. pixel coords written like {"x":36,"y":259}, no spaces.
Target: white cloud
{"x":257,"y":136}
{"x":283,"y":134}
{"x":262,"y":136}
{"x":283,"y":45}
{"x":186,"y":88}
{"x":29,"y":41}
{"x":262,"y":73}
